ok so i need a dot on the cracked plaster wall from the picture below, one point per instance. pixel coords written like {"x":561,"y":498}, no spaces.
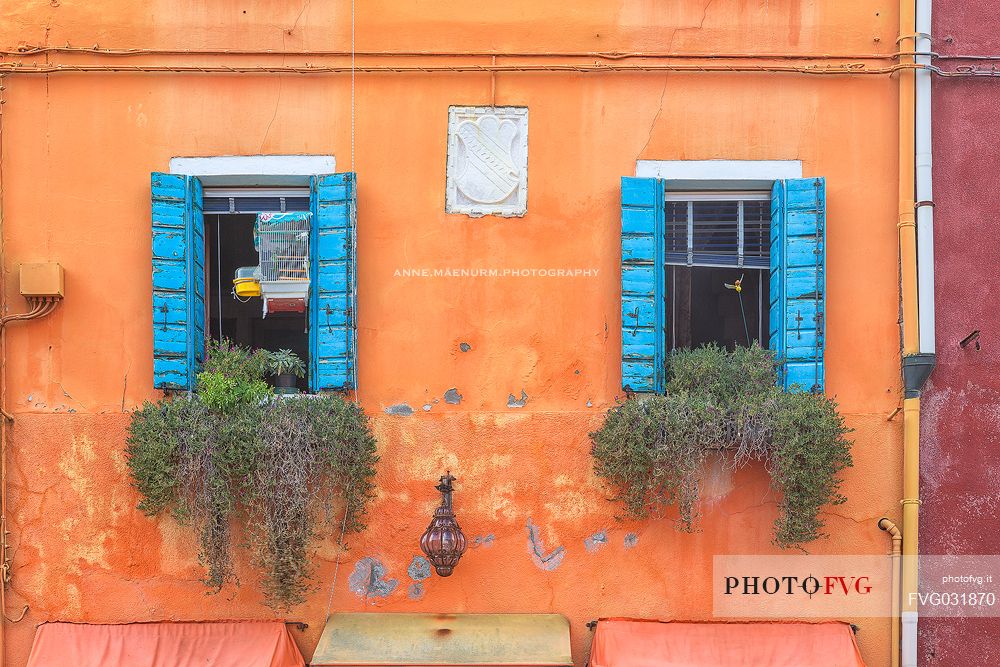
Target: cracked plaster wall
{"x":77,"y":155}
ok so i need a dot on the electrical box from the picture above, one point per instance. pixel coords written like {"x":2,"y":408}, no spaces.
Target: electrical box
{"x":43,"y":279}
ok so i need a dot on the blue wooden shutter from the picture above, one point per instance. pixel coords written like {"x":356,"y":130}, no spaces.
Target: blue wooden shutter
{"x":798,"y":281}
{"x":643,"y":288}
{"x":178,"y":280}
{"x":332,"y":314}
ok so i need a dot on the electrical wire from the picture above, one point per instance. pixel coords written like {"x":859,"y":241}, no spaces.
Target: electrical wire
{"x":354,"y":311}
{"x":39,"y":307}
{"x":854,"y":68}
{"x":353,"y":220}
{"x":32,"y":50}
{"x":581,"y":68}
{"x":336,"y":567}
{"x":218,"y":268}
{"x":353,"y":72}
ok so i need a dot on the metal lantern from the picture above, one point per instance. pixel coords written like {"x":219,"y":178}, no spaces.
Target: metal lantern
{"x":443,"y":541}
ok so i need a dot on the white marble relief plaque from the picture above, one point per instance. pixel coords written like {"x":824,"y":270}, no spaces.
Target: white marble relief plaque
{"x":487,"y":161}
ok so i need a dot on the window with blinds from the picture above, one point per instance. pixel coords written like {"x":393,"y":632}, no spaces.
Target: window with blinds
{"x":724,"y":229}
{"x":255,"y":200}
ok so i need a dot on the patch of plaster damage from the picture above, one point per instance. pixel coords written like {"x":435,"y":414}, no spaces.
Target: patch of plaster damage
{"x":717,"y":481}
{"x":464,"y":347}
{"x":483,"y":541}
{"x":368,"y":580}
{"x":400,"y":409}
{"x":452,"y":397}
{"x":498,"y":503}
{"x":594,"y":543}
{"x":415,"y":591}
{"x":631,"y":540}
{"x":419,"y":569}
{"x":513,"y":402}
{"x":545,"y":561}
{"x":427,"y":407}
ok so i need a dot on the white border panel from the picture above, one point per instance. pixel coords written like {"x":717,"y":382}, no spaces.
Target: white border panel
{"x":254,"y":170}
{"x":719,"y":170}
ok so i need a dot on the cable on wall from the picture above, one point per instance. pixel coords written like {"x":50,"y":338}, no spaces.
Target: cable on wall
{"x":856,"y":68}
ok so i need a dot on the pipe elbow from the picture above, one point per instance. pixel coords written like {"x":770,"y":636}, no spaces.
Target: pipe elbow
{"x":888,"y":526}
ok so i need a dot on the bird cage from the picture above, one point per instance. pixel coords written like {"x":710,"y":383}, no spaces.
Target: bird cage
{"x":282,"y":243}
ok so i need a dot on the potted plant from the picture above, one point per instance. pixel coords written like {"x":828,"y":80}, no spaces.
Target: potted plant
{"x":287,"y":367}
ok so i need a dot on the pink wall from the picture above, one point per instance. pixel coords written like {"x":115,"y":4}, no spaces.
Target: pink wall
{"x":960,"y":430}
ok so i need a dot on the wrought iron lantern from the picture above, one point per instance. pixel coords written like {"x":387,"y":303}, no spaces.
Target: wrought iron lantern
{"x":443,"y":541}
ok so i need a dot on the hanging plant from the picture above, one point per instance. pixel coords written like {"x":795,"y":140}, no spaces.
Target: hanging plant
{"x":651,"y":449}
{"x":233,"y":451}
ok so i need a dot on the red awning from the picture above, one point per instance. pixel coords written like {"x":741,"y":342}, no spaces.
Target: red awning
{"x":217,"y":644}
{"x":632,"y":643}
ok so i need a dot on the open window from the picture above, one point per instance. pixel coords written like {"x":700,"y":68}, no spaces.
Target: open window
{"x":250,"y":243}
{"x":717,"y":265}
{"x":682,"y":255}
{"x":204,"y":240}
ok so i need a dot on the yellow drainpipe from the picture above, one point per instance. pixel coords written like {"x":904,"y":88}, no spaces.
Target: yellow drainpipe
{"x":897,"y":541}
{"x":911,"y":338}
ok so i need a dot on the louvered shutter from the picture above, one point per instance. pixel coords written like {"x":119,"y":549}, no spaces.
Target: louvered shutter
{"x":643,"y":288}
{"x":798,"y":281}
{"x":178,"y":248}
{"x":332,"y":315}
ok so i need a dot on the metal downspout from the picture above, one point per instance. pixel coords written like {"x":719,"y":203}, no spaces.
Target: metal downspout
{"x":925,"y":194}
{"x":917,"y":295}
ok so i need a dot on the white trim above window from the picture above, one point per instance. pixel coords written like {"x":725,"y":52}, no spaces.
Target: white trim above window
{"x":719,"y":174}
{"x":254,"y":170}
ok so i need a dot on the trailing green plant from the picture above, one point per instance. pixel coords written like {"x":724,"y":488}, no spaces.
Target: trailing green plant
{"x":286,"y":362}
{"x":651,"y":450}
{"x":231,"y":451}
{"x":305,"y":442}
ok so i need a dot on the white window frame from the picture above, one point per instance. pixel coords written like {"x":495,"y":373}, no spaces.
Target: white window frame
{"x":710,"y":174}
{"x":234,"y":171}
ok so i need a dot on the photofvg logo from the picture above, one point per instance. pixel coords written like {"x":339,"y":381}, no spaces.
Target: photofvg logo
{"x":804,"y":586}
{"x":801,"y":586}
{"x":791,"y":585}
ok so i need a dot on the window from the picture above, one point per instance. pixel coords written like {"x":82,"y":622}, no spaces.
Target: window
{"x":186,"y":296}
{"x":230,"y":221}
{"x":680,"y":250}
{"x":716,"y":256}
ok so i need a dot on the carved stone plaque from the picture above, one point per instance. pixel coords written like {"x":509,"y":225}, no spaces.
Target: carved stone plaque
{"x":487,"y":161}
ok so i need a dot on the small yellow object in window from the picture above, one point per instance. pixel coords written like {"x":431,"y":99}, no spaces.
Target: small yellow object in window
{"x":737,"y":285}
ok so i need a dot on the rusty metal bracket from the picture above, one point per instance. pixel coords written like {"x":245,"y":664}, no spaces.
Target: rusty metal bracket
{"x":971,"y":338}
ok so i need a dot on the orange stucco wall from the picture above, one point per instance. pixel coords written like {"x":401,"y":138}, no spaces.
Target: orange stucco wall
{"x":77,"y":153}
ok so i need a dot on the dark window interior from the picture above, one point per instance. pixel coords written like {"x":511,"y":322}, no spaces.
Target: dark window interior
{"x":701,"y":309}
{"x":229,"y":245}
{"x":712,"y":241}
